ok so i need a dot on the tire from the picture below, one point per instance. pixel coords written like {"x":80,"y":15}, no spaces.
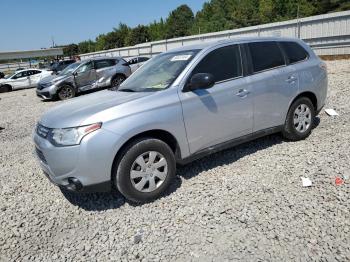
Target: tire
{"x":66,"y":92}
{"x":150,"y":179}
{"x":300,"y":119}
{"x":116,"y":81}
{"x":5,"y":88}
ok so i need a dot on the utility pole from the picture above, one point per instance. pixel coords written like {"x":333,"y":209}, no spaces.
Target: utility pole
{"x":298,"y":20}
{"x":53,"y":41}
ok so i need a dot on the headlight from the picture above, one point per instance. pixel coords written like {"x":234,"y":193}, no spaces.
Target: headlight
{"x":71,"y":136}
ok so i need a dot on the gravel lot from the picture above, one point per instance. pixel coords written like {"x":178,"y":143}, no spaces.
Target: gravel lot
{"x":245,"y":203}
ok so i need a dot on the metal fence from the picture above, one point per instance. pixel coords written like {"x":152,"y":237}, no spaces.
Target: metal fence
{"x":327,"y":34}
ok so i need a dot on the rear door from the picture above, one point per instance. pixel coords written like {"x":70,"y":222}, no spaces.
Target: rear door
{"x":85,"y":76}
{"x":105,"y":69}
{"x":272,"y":82}
{"x":34,"y":77}
{"x":223,"y":112}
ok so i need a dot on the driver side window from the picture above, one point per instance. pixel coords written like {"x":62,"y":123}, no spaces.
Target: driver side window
{"x":84,"y":68}
{"x":20,"y":75}
{"x":223,"y":63}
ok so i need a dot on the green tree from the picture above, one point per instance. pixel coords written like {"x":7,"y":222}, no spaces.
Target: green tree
{"x":138,"y":35}
{"x":100,"y":42}
{"x":179,"y":22}
{"x":86,"y":47}
{"x":70,"y":50}
{"x":157,"y":30}
{"x":215,"y":15}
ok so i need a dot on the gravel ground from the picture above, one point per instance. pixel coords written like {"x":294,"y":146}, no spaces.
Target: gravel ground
{"x":245,"y":203}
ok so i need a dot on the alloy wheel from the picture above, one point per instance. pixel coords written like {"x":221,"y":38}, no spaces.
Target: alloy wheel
{"x":66,"y":92}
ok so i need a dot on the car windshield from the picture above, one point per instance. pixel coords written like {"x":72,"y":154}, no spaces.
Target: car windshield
{"x":159,"y":73}
{"x":69,"y":69}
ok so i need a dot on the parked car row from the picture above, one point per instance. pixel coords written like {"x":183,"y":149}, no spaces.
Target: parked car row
{"x":181,"y":105}
{"x":69,"y":78}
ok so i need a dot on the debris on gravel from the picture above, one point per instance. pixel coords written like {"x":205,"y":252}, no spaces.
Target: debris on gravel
{"x":245,"y":203}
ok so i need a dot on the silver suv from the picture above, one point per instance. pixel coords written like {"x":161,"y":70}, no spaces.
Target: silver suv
{"x":179,"y":106}
{"x":82,"y":76}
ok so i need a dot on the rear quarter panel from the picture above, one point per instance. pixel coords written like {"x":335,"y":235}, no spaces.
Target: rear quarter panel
{"x":312,"y":78}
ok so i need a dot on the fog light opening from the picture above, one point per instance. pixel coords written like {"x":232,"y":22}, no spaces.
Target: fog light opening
{"x":74,"y":184}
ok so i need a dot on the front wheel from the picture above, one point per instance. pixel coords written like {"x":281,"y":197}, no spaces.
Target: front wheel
{"x":116,"y":81}
{"x":66,"y":92}
{"x":145,"y":170}
{"x":299,"y":120}
{"x":5,"y":88}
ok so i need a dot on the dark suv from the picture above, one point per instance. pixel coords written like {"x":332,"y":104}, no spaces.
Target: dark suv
{"x":57,"y":67}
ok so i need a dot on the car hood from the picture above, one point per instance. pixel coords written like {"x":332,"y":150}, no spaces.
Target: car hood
{"x":51,"y":78}
{"x":73,"y":112}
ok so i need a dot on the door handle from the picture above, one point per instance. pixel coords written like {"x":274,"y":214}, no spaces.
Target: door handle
{"x":291,"y":79}
{"x":242,"y":93}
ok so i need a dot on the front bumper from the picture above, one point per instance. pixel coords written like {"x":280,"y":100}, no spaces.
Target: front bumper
{"x":47,"y":92}
{"x":86,"y":167}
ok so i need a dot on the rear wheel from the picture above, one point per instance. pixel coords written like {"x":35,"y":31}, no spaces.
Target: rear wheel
{"x":145,"y":170}
{"x":5,"y":88}
{"x":66,"y":92}
{"x":116,"y":81}
{"x":299,"y":120}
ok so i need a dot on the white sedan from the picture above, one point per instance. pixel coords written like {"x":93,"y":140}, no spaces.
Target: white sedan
{"x":26,"y":78}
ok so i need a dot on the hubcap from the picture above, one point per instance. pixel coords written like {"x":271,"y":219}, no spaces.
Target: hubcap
{"x":302,"y":118}
{"x":148,"y":171}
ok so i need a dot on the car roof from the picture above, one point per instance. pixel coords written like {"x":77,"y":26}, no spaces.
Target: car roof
{"x":237,"y":40}
{"x":105,"y":57}
{"x":28,"y":69}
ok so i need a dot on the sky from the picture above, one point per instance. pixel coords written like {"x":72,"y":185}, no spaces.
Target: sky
{"x":31,"y":24}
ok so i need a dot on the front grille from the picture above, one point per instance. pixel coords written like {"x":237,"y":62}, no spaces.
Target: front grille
{"x":40,"y":155}
{"x":42,"y":131}
{"x":41,"y":86}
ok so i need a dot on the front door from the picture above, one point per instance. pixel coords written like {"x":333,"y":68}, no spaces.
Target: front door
{"x":223,"y":112}
{"x":20,"y":80}
{"x":85,"y":76}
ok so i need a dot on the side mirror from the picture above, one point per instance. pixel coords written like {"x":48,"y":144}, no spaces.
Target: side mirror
{"x":200,"y":81}
{"x":126,"y":64}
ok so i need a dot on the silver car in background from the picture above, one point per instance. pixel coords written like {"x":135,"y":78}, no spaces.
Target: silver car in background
{"x":82,"y":76}
{"x":180,"y":106}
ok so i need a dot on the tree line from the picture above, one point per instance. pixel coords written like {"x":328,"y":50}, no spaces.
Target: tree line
{"x":215,"y":15}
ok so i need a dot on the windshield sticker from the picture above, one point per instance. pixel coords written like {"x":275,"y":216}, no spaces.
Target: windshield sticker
{"x":180,"y":58}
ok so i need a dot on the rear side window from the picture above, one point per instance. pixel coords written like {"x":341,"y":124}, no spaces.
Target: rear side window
{"x":294,"y":52}
{"x":104,"y":63}
{"x":265,"y":55}
{"x":143,"y":59}
{"x":223,"y":63}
